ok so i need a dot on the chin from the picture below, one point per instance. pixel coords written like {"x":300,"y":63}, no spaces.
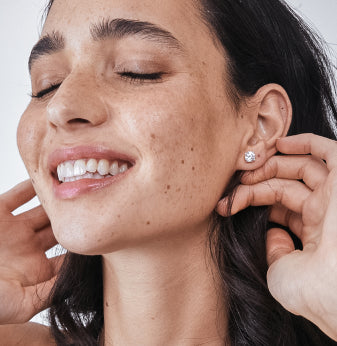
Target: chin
{"x":82,"y":236}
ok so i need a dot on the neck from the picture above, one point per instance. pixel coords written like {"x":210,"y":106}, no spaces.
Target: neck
{"x":164,"y":294}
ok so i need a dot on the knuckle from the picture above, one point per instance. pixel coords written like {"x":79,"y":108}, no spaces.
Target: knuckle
{"x":251,"y":196}
{"x":301,"y":171}
{"x":307,"y":143}
{"x":279,"y":193}
{"x":271,"y":168}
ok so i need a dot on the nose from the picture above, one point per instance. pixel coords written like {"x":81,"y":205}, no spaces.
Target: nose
{"x":77,"y":104}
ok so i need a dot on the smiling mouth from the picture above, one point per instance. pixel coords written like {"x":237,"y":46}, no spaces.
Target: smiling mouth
{"x":74,"y":170}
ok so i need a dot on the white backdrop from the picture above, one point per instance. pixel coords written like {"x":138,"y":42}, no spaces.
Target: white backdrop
{"x":19,"y":29}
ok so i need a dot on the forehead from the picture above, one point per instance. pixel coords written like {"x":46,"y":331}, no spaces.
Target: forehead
{"x":180,"y":17}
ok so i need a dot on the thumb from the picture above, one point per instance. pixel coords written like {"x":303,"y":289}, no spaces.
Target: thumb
{"x":284,"y":276}
{"x":279,"y":243}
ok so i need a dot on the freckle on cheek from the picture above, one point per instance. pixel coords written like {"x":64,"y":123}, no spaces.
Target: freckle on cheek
{"x":107,"y":304}
{"x":153,"y":136}
{"x":193,"y":168}
{"x":168,"y":187}
{"x":148,"y":223}
{"x":182,"y":162}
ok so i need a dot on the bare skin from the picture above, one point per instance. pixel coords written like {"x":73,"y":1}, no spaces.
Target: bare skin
{"x":305,"y":216}
{"x":26,"y":274}
{"x":23,"y":263}
{"x":151,"y":225}
{"x":32,"y":334}
{"x":316,"y":260}
{"x":302,"y":281}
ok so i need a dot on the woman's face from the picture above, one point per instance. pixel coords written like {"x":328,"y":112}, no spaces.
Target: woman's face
{"x":138,"y":86}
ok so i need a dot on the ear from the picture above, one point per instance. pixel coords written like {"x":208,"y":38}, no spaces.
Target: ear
{"x":269,"y":115}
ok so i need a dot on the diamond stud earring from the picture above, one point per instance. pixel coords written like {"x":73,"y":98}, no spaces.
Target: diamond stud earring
{"x":250,"y":156}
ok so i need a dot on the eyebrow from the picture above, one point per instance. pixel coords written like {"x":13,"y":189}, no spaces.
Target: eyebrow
{"x":117,"y":28}
{"x":48,"y":44}
{"x":120,"y":28}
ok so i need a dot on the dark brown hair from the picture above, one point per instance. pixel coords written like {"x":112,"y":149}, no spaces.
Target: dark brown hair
{"x":265,"y":42}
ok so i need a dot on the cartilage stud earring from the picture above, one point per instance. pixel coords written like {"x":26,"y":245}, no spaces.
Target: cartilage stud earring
{"x":250,"y":156}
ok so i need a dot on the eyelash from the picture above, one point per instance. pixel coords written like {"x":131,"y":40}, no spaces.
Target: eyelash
{"x":132,"y":77}
{"x":141,"y":77}
{"x":44,"y":92}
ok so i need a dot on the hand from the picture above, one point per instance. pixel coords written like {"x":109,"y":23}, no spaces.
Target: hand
{"x":26,"y":274}
{"x":304,"y":282}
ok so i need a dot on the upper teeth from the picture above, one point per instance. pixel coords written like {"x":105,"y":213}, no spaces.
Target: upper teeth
{"x":90,"y":168}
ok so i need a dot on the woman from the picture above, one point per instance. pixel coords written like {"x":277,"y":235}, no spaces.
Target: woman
{"x":135,"y":132}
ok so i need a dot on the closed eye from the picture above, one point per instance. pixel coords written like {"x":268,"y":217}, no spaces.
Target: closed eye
{"x":142,"y":77}
{"x":131,"y":76}
{"x":46,"y":91}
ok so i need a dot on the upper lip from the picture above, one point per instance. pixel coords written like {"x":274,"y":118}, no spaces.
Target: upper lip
{"x":86,"y":152}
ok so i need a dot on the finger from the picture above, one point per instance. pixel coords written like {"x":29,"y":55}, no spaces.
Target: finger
{"x":307,"y":168}
{"x":321,"y":147}
{"x":269,"y":192}
{"x":18,"y":195}
{"x":57,"y":262}
{"x":279,"y":244}
{"x":330,"y":222}
{"x":36,"y":217}
{"x":285,"y":274}
{"x":36,"y":299}
{"x":46,"y":238}
{"x":48,"y":268}
{"x":285,"y":217}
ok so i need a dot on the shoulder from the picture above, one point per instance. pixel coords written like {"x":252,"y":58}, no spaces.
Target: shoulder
{"x":30,"y":333}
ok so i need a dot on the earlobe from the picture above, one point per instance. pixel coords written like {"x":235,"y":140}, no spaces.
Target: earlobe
{"x":270,"y":114}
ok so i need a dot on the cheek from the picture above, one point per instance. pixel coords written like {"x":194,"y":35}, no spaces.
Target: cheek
{"x":30,"y":134}
{"x":180,"y":138}
{"x":171,"y":122}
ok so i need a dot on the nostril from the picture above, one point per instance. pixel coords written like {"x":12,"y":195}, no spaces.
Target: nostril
{"x":78,"y":120}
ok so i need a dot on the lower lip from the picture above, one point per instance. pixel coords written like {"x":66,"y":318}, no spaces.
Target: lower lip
{"x":77,"y":188}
